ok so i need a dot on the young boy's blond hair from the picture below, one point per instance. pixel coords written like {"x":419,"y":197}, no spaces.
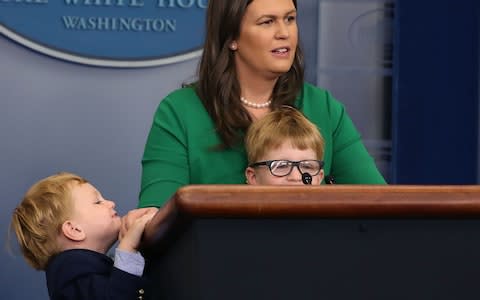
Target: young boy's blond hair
{"x":38,"y":219}
{"x":278,"y":126}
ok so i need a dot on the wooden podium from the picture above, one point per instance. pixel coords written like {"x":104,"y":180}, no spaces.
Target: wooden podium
{"x":326,"y":242}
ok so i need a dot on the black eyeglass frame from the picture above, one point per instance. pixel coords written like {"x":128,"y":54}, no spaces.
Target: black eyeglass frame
{"x":291,"y":163}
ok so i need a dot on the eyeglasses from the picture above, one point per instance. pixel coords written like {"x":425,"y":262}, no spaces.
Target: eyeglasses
{"x":282,"y":168}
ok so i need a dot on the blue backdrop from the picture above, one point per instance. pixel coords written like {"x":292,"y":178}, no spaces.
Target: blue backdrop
{"x":435,"y":107}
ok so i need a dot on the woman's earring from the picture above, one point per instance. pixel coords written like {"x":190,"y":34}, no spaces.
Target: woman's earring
{"x":233,"y":46}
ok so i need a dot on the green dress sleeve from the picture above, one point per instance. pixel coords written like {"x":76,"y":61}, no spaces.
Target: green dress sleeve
{"x":351,"y":162}
{"x":346,"y":158}
{"x":165,"y":161}
{"x":180,"y":150}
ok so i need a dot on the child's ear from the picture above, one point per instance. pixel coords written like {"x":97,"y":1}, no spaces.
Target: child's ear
{"x":73,"y":231}
{"x":250,"y":175}
{"x":321,"y":175}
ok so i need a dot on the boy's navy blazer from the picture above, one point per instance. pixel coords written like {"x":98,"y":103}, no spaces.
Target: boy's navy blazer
{"x":83,"y":274}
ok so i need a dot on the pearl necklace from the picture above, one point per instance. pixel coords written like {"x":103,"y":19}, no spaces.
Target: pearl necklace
{"x":255,"y":105}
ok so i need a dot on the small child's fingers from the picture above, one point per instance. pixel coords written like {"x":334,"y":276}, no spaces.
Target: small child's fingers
{"x":149,"y":212}
{"x":143,"y":211}
{"x":143,"y":220}
{"x":131,"y":216}
{"x":136,"y":218}
{"x":150,"y":215}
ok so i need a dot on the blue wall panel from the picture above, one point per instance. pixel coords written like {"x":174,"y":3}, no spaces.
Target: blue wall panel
{"x":435,"y":109}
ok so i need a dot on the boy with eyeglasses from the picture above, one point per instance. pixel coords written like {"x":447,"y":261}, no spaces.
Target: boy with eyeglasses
{"x":284,"y":148}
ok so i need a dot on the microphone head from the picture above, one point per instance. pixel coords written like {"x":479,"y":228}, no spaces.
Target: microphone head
{"x":306,"y":178}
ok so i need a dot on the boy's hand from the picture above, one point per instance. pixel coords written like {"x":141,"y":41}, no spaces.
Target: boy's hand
{"x":131,"y":216}
{"x":132,"y":228}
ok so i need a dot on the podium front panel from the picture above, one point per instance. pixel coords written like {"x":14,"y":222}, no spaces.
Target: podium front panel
{"x":318,"y":258}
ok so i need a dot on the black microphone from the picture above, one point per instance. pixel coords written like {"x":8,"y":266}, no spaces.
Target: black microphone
{"x":306,"y":178}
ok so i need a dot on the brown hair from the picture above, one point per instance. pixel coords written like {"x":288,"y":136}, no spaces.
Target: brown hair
{"x":37,"y":220}
{"x":283,"y":124}
{"x":218,"y":86}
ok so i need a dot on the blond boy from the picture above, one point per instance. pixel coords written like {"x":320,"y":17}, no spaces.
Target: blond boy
{"x":65,"y":227}
{"x":284,"y":148}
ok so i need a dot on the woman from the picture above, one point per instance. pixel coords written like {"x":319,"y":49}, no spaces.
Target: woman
{"x":251,"y":65}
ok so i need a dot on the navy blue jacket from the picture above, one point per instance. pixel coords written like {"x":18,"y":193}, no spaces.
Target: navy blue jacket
{"x":87,"y":275}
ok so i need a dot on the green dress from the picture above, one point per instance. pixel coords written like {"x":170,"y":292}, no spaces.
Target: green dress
{"x":179,"y":151}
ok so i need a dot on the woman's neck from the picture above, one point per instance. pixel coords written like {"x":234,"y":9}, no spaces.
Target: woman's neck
{"x":255,"y":89}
